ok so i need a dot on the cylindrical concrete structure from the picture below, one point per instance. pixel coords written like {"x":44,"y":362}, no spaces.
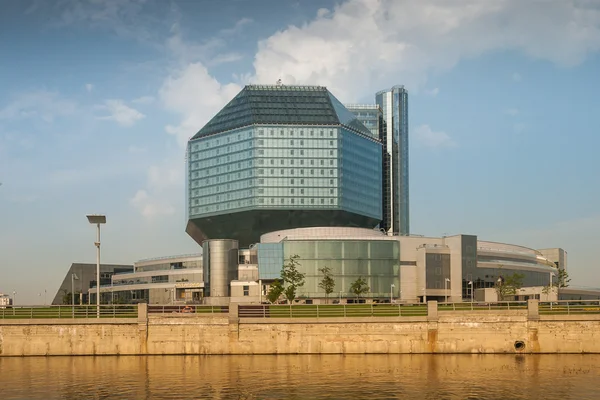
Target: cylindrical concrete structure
{"x":220,"y":265}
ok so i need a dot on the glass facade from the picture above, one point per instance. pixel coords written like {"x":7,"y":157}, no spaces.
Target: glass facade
{"x":394,"y":105}
{"x":270,"y":260}
{"x":221,"y":173}
{"x":377,"y":261}
{"x":195,"y":277}
{"x":369,"y":115}
{"x":295,"y":151}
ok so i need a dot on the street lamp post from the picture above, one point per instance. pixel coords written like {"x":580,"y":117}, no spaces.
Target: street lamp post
{"x":392,"y":286}
{"x":74,"y":278}
{"x":14,"y":298}
{"x":471,"y":284}
{"x":446,"y":281}
{"x":340,"y":297}
{"x":97,"y":219}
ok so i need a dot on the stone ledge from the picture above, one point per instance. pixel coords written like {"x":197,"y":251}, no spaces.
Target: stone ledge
{"x":69,"y":321}
{"x":333,"y":320}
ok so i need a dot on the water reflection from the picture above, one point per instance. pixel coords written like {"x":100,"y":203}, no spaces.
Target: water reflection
{"x":303,"y":377}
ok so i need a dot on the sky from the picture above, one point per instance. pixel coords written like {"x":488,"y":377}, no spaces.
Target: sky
{"x":100,"y":96}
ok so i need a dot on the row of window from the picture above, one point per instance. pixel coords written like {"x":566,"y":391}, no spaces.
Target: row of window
{"x":331,"y":172}
{"x":291,"y":132}
{"x":224,"y":178}
{"x":314,"y":143}
{"x":314,"y":153}
{"x":213,"y":195}
{"x":291,"y":161}
{"x":285,"y":202}
{"x":221,"y":139}
{"x":229,"y":149}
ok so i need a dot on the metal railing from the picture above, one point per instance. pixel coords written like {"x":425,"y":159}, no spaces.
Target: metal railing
{"x":501,"y":305}
{"x":331,"y":310}
{"x":570,"y":307}
{"x":187,"y":309}
{"x":60,"y":312}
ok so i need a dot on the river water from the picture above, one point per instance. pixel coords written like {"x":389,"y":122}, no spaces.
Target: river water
{"x":436,"y":377}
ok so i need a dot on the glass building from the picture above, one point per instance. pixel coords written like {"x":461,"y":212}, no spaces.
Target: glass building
{"x":277,"y":157}
{"x":394,"y":136}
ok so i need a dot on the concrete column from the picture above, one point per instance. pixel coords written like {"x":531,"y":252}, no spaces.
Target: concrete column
{"x":233,"y":310}
{"x":142,"y":313}
{"x":432,"y":310}
{"x":533,"y":309}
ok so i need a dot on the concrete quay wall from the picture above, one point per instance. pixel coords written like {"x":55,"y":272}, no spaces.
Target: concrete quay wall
{"x":450,"y":332}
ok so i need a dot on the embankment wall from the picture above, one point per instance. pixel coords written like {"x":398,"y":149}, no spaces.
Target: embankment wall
{"x":448,"y":332}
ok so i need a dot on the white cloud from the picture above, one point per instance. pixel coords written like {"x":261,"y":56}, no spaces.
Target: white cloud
{"x":237,"y":28}
{"x":432,"y":92}
{"x":143,"y":100}
{"x":516,"y":77}
{"x":362,"y":45}
{"x":196,"y":96}
{"x":163,"y":189}
{"x":425,"y":136}
{"x":89,"y":87}
{"x":39,"y":104}
{"x":120,"y":112}
{"x":225,"y":58}
{"x":150,"y":207}
{"x":512,"y":111}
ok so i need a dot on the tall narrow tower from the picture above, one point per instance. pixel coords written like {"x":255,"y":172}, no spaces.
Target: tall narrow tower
{"x":394,"y":135}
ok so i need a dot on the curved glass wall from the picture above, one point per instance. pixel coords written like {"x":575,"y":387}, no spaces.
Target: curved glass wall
{"x":376,"y":261}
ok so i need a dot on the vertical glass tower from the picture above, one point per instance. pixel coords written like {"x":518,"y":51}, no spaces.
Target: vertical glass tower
{"x":279,"y":157}
{"x":394,"y":136}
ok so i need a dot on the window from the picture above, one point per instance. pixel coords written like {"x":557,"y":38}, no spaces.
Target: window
{"x":291,"y":181}
{"x":246,"y":290}
{"x":322,"y":162}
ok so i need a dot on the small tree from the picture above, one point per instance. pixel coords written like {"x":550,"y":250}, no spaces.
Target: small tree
{"x":292,"y":278}
{"x":327,"y":283}
{"x":275,"y":291}
{"x":509,"y":285}
{"x":359,"y":287}
{"x":562,"y":281}
{"x":66,"y":297}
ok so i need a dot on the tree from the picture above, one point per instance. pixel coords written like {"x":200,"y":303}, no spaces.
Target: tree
{"x":509,"y":285}
{"x":275,"y":291}
{"x":66,"y":297}
{"x":327,"y":283}
{"x":359,"y":287}
{"x":292,"y":278}
{"x":562,"y":281}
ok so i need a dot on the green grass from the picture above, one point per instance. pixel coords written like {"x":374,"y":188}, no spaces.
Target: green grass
{"x":336,"y":311}
{"x":65,"y":312}
{"x":481,"y":307}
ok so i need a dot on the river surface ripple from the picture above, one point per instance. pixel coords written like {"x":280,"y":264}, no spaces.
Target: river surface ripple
{"x":549,"y":377}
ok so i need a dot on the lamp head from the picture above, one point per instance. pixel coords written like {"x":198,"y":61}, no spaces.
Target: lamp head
{"x":96,"y":218}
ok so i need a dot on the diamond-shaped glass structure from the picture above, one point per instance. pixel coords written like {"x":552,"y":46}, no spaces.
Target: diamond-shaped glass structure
{"x":278,"y":157}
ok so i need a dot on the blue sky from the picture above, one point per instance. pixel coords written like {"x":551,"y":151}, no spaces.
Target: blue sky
{"x":98,"y":98}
